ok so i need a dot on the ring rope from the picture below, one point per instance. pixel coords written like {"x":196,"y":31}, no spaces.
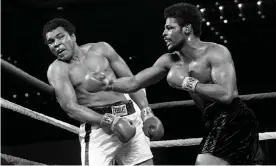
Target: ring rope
{"x":50,"y":90}
{"x":27,"y":77}
{"x":169,"y":143}
{"x":191,"y":102}
{"x":196,"y":141}
{"x":12,"y":106}
{"x":11,"y":160}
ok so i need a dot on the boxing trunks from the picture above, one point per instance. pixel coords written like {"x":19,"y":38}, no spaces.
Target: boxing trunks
{"x":101,"y":147}
{"x":232,"y":133}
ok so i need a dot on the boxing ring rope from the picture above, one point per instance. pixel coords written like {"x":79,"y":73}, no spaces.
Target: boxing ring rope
{"x":11,"y":160}
{"x":191,"y":102}
{"x":169,"y":143}
{"x":38,"y":116}
{"x":154,"y":144}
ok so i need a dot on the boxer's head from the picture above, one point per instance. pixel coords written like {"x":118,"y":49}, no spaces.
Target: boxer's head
{"x":59,"y":35}
{"x":182,"y":20}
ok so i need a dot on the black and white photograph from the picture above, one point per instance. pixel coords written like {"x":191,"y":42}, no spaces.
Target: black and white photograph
{"x":120,"y":82}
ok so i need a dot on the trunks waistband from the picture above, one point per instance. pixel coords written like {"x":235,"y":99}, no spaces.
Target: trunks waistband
{"x":217,"y":108}
{"x":120,"y":108}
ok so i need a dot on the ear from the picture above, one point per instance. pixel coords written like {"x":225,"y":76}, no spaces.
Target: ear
{"x":187,"y":29}
{"x":73,"y":36}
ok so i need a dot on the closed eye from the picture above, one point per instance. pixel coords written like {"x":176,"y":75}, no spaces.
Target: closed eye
{"x":60,"y":36}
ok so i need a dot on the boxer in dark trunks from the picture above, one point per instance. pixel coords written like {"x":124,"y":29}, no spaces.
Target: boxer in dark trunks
{"x":207,"y":72}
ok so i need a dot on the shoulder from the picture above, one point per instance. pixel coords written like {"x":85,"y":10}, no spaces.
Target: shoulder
{"x":100,"y":48}
{"x":56,"y":68}
{"x":96,"y":46}
{"x":218,"y":52}
{"x":86,"y":47}
{"x":167,"y":57}
{"x":165,"y":60}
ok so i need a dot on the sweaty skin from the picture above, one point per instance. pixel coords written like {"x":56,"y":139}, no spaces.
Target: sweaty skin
{"x":208,"y":62}
{"x":207,"y":72}
{"x":213,"y":68}
{"x":67,"y":75}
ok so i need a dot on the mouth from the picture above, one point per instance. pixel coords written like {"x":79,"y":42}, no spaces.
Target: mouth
{"x":60,"y":51}
{"x":167,"y":41}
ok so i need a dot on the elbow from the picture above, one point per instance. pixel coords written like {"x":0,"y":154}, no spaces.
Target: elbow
{"x":227,"y":98}
{"x":68,"y":108}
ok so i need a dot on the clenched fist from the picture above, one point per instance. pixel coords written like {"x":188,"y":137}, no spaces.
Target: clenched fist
{"x":120,"y":126}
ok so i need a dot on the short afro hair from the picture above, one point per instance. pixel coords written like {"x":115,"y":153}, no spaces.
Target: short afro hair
{"x":185,"y":13}
{"x":58,"y":22}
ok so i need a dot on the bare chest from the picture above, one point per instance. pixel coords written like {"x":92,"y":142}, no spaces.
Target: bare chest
{"x":79,"y":70}
{"x":200,"y":70}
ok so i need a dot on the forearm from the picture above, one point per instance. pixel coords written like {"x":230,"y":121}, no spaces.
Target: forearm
{"x":125,"y":85}
{"x":82,"y":114}
{"x":140,"y":98}
{"x":141,"y":80}
{"x":213,"y":92}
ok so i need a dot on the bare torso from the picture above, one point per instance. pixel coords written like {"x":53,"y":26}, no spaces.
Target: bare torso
{"x":201,"y":70}
{"x":93,"y":61}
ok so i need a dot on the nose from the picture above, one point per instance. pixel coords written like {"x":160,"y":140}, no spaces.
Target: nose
{"x":164,"y":33}
{"x":57,"y":43}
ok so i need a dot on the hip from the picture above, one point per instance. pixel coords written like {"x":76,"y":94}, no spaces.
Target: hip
{"x":235,"y":114}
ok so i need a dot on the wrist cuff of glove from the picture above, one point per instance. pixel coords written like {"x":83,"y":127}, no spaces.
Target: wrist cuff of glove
{"x":189,"y":83}
{"x":108,"y":84}
{"x":107,"y":81}
{"x":146,"y":113}
{"x":108,"y":120}
{"x":109,"y":87}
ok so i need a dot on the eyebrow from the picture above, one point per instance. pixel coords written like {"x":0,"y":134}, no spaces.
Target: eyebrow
{"x":60,"y":33}
{"x":55,"y":36}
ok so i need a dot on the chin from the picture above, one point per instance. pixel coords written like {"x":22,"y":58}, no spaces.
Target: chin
{"x":171,"y":49}
{"x":67,"y":57}
{"x":175,"y":47}
{"x":64,"y":58}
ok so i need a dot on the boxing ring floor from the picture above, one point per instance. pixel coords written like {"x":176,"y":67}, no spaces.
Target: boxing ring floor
{"x":74,"y":129}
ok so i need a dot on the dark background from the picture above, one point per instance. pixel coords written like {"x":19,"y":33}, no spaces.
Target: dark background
{"x":134,"y":29}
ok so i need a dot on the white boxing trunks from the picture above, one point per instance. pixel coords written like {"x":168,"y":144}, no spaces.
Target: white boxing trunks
{"x":99,"y":146}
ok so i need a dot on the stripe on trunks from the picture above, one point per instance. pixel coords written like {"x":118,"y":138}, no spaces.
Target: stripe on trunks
{"x":87,"y":139}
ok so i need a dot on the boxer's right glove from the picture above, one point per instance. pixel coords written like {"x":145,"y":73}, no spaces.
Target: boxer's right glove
{"x":178,"y":77}
{"x":189,"y":83}
{"x":121,"y":127}
{"x":152,"y":126}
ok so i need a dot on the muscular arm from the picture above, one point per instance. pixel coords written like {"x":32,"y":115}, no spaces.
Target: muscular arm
{"x":223,"y":76}
{"x":143,"y":79}
{"x":65,"y":94}
{"x":125,"y":75}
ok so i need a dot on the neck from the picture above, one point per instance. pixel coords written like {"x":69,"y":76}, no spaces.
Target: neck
{"x":77,"y":54}
{"x":188,"y":51}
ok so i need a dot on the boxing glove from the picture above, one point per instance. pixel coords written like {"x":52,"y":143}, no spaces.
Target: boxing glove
{"x":178,"y":78}
{"x":152,"y":126}
{"x":121,"y":127}
{"x":95,"y":81}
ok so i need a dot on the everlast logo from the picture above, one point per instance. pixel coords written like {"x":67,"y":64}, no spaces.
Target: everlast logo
{"x":119,"y":110}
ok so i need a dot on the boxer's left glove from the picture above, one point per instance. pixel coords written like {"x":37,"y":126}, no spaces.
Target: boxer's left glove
{"x":152,"y":127}
{"x":103,"y":80}
{"x":121,"y":127}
